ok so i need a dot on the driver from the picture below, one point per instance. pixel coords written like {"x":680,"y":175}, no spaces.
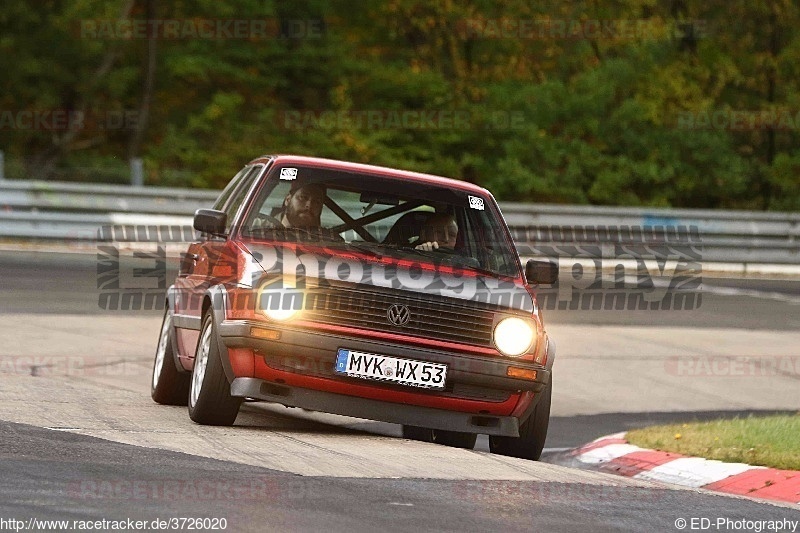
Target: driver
{"x":439,"y":231}
{"x":302,"y":207}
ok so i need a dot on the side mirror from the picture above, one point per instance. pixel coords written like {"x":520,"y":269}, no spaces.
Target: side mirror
{"x":541,"y":272}
{"x":210,"y":221}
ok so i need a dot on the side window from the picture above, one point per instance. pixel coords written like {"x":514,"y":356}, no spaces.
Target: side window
{"x":485,"y":240}
{"x":272,"y":205}
{"x":239,"y":195}
{"x":494,"y":240}
{"x":226,"y":193}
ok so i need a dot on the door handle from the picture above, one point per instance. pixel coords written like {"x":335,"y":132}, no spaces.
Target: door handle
{"x":187,"y":264}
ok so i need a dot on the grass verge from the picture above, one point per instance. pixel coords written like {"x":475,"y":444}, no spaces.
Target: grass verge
{"x":772,"y":441}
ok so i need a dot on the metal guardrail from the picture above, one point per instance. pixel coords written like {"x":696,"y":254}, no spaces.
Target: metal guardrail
{"x":71,"y":211}
{"x":76,"y":211}
{"x":85,"y":198}
{"x":719,"y":236}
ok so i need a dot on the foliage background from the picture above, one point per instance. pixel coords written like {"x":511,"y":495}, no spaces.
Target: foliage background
{"x":556,"y":114}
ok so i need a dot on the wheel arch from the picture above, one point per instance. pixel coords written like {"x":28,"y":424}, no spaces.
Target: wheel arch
{"x":216,"y":299}
{"x":551,"y":353}
{"x":169,"y":302}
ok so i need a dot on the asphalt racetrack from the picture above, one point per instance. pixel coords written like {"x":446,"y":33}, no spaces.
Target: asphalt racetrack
{"x":82,"y":440}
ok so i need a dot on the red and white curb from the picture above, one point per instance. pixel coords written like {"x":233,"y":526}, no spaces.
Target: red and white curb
{"x":613,"y":454}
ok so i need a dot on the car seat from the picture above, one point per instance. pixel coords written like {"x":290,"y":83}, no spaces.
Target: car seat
{"x":407,"y":228}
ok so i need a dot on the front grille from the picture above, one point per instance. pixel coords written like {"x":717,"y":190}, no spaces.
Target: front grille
{"x":431,"y":316}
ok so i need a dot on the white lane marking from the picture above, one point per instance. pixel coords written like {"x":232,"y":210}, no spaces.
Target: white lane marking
{"x":752,"y":293}
{"x":693,"y":472}
{"x":608,"y":453}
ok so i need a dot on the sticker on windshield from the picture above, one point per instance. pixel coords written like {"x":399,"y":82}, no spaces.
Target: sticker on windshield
{"x":476,"y":203}
{"x":288,"y":173}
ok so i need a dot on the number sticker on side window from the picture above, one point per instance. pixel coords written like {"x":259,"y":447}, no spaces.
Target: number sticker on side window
{"x":476,"y":203}
{"x":288,"y":173}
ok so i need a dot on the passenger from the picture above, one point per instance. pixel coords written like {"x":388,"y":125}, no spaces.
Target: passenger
{"x":439,"y":231}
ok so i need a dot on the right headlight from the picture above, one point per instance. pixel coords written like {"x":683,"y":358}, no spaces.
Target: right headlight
{"x":514,"y":336}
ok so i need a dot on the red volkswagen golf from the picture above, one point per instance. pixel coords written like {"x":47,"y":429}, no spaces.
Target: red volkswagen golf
{"x":362,"y":291}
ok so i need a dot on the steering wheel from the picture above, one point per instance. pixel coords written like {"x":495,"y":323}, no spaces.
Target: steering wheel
{"x":447,"y":251}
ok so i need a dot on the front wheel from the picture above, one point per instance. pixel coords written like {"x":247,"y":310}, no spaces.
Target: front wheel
{"x":210,"y":400}
{"x":532,"y":432}
{"x":168,"y":386}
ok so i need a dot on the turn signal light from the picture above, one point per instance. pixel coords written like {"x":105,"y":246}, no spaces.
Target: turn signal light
{"x":262,"y":333}
{"x":521,"y":373}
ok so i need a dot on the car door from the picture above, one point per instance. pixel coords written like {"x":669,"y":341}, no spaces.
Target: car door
{"x":197,"y":269}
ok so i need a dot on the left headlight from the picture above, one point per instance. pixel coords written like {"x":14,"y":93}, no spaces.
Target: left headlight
{"x":280,"y":304}
{"x":514,"y":336}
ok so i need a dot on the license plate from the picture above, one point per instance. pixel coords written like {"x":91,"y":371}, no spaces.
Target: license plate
{"x":392,"y":369}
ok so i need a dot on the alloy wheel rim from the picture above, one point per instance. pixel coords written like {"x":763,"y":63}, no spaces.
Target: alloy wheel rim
{"x":200,"y":364}
{"x":161,"y":351}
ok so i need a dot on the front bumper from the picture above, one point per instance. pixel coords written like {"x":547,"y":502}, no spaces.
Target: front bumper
{"x":317,"y":350}
{"x":475,"y":384}
{"x":340,"y":404}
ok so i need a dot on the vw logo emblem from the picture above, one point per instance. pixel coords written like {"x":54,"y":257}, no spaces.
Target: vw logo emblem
{"x":398,"y":314}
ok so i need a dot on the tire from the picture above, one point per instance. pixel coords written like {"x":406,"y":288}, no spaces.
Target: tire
{"x":532,"y":432}
{"x":453,"y":439}
{"x":210,"y":400}
{"x":168,"y":385}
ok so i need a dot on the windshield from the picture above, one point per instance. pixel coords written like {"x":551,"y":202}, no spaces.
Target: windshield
{"x":381,"y":216}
